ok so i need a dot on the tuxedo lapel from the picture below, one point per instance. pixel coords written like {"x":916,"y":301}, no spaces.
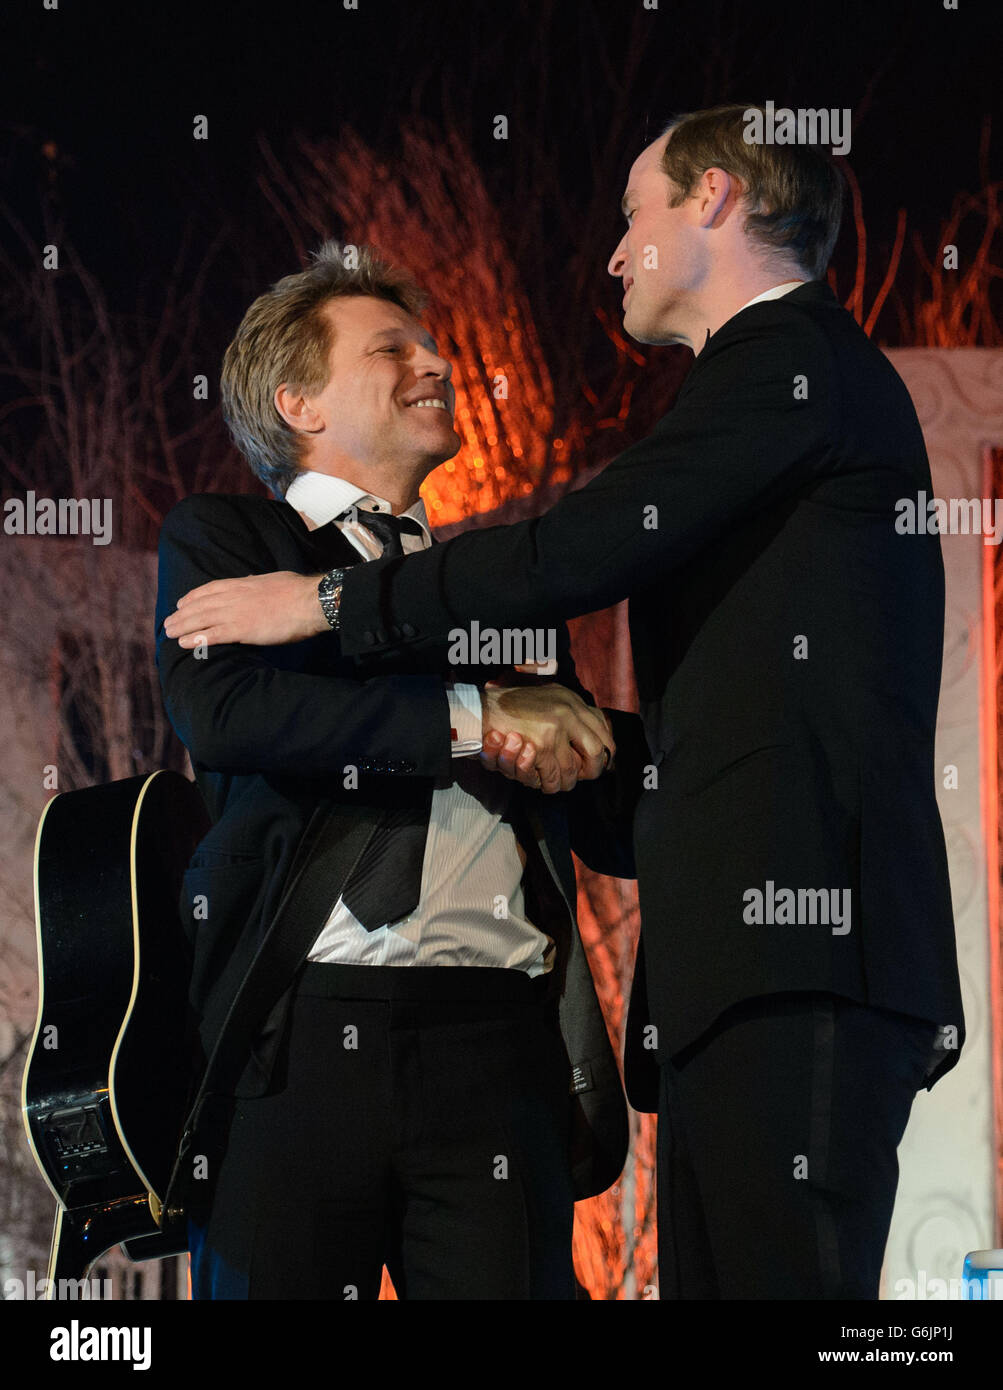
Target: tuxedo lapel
{"x":328,"y":548}
{"x":323,"y":548}
{"x":405,"y":803}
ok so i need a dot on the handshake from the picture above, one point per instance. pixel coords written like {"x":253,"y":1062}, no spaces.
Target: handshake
{"x":543,"y":736}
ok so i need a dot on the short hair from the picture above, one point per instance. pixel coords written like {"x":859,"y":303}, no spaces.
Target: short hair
{"x":794,"y":193}
{"x":286,"y":336}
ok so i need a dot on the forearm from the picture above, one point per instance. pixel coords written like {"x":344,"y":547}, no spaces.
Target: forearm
{"x":237,"y":714}
{"x":738,"y":441}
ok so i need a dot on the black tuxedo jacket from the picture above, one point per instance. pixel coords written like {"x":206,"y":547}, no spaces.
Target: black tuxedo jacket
{"x":271,"y":732}
{"x":787,"y":643}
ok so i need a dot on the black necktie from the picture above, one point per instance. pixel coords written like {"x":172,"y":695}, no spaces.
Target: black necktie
{"x":388,"y":528}
{"x":385,"y":885}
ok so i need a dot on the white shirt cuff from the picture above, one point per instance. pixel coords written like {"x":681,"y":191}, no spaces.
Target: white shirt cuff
{"x":465,"y":717}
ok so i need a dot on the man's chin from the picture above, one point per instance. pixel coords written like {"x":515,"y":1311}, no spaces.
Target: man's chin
{"x":447,"y":450}
{"x":651,"y":333}
{"x":438,"y":439}
{"x":636,"y":323}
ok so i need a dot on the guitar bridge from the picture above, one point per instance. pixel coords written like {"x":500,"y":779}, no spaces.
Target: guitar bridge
{"x":75,"y":1131}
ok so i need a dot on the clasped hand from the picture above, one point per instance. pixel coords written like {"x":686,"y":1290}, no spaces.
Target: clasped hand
{"x":544,"y":736}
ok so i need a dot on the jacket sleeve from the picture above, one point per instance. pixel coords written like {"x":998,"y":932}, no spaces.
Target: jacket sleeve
{"x":601,"y":812}
{"x":241,"y":709}
{"x":752,"y":425}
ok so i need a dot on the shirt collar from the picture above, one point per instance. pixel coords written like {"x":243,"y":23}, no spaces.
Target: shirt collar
{"x":323,"y":497}
{"x":777,"y":292}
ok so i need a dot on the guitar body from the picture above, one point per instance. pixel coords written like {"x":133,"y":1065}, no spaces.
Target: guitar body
{"x":111,"y":1064}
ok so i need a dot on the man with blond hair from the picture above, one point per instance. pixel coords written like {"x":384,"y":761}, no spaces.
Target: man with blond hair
{"x":799,"y":979}
{"x":405,"y":1062}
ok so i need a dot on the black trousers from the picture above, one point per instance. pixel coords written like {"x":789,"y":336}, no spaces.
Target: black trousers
{"x":777,"y":1138}
{"x":419,"y":1118}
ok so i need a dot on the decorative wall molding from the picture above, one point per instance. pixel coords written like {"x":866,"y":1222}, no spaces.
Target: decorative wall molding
{"x":948,"y":1158}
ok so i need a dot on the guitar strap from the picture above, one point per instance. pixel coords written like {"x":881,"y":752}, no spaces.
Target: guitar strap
{"x":331,"y":846}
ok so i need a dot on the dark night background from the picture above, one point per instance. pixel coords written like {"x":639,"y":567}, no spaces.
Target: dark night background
{"x":115,"y":86}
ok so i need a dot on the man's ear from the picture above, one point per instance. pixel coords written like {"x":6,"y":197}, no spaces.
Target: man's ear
{"x":296,"y":410}
{"x":718,"y":192}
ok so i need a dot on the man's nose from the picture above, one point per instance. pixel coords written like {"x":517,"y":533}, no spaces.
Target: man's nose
{"x":429,"y":364}
{"x":618,"y":258}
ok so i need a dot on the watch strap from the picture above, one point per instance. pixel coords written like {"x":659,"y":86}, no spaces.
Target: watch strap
{"x":329,"y":594}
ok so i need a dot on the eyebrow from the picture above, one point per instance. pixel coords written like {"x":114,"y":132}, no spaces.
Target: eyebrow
{"x":630,"y":193}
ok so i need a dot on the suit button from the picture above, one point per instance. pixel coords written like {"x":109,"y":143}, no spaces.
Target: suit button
{"x":407,"y":630}
{"x":369,"y":638}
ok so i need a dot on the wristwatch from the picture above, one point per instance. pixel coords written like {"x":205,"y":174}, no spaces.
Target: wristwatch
{"x":329,"y":593}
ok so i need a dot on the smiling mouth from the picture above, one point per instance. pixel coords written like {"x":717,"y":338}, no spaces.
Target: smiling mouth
{"x":432,"y":402}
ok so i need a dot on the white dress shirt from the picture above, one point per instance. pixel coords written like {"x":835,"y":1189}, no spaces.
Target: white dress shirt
{"x":471,"y":909}
{"x":777,"y":292}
